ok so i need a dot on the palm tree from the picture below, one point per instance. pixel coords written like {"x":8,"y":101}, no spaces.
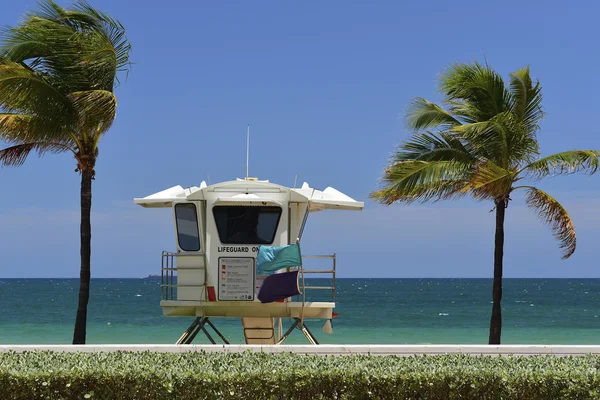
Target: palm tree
{"x":58,"y":70}
{"x":483,"y":143}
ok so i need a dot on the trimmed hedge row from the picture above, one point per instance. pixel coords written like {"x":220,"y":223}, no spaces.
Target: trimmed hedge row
{"x":149,"y":375}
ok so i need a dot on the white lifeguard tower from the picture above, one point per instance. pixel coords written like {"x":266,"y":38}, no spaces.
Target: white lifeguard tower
{"x":219,"y":229}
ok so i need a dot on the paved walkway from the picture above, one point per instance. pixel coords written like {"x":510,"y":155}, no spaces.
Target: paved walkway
{"x":400,"y":350}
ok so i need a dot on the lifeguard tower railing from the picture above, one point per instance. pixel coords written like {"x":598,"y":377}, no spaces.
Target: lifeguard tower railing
{"x":169,"y":283}
{"x":303,"y":272}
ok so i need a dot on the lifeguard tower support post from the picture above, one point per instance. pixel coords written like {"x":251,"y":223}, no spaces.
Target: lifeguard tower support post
{"x":218,"y":231}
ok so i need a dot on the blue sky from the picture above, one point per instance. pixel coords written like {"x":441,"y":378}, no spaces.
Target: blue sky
{"x":324,"y":86}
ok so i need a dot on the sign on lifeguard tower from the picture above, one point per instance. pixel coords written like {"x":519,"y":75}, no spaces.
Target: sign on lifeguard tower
{"x":237,"y":278}
{"x":219,"y":230}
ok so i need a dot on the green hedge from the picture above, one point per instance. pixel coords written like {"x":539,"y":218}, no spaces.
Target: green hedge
{"x":148,"y":375}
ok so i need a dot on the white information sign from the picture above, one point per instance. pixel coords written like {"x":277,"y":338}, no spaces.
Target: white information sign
{"x":236,"y":278}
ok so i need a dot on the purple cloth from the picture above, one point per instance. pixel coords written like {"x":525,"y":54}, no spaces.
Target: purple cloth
{"x":279,"y":286}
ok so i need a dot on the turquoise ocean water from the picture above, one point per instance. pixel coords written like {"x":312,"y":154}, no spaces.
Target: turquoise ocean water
{"x":385,"y":311}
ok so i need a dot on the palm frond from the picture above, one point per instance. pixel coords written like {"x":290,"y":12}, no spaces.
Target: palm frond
{"x":73,"y":18}
{"x":18,"y":127}
{"x":434,"y":147}
{"x":522,"y":146}
{"x":104,"y":48}
{"x":96,"y":108}
{"x":526,"y":99}
{"x":518,"y":144}
{"x":424,"y":192}
{"x":567,"y":162}
{"x":113,"y":30}
{"x":24,"y":43}
{"x":553,"y":214}
{"x":49,"y":10}
{"x":17,"y":154}
{"x":421,"y":180}
{"x":21,"y":128}
{"x":502,"y":139}
{"x":49,"y":49}
{"x":423,"y":114}
{"x":79,"y":49}
{"x":24,"y":90}
{"x":487,"y":139}
{"x":15,"y":126}
{"x":474,"y":91}
{"x":490,"y":181}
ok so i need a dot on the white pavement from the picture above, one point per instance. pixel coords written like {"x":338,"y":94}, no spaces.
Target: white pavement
{"x":400,"y":350}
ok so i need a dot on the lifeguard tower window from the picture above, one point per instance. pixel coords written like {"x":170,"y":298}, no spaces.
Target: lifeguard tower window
{"x":247,"y":224}
{"x":187,"y":227}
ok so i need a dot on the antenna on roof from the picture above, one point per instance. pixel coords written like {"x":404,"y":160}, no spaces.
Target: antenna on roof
{"x":247,"y":150}
{"x":208,"y":175}
{"x":295,"y":179}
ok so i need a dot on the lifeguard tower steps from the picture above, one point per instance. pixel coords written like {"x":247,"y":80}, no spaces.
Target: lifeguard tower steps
{"x":262,"y":331}
{"x":259,"y":330}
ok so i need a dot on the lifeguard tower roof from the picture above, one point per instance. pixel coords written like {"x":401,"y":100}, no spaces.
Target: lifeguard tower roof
{"x":329,"y":198}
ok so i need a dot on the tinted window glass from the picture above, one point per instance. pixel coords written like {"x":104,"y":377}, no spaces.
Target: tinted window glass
{"x":247,"y":224}
{"x":187,"y":227}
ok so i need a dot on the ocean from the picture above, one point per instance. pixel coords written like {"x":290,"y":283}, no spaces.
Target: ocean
{"x":371,"y":311}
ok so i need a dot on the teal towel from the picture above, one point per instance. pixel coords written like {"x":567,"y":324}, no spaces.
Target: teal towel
{"x":272,"y":258}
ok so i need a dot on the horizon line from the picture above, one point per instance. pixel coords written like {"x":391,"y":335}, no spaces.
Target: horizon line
{"x":337,"y":278}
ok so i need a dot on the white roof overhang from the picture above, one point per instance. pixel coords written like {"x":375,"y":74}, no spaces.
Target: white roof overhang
{"x":167,"y":197}
{"x":328,"y":199}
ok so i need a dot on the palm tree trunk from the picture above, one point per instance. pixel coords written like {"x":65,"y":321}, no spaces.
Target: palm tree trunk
{"x":496,"y":321}
{"x":86,"y":244}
